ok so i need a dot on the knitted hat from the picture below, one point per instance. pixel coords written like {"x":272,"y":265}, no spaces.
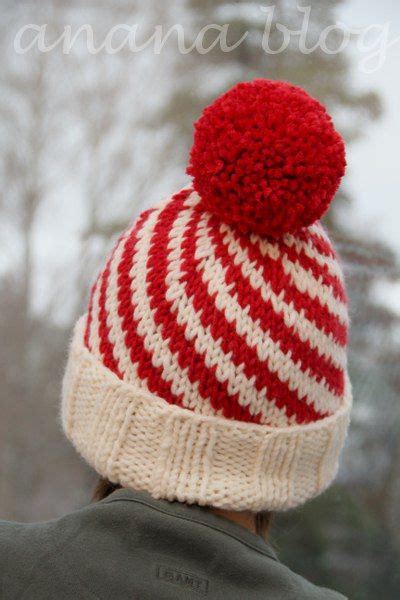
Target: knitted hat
{"x":211,"y":364}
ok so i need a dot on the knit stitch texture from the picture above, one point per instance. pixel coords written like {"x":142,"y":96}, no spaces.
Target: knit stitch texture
{"x":191,"y":318}
{"x":211,"y":364}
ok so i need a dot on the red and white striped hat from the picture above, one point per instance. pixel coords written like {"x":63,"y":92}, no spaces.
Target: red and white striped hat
{"x":211,"y":364}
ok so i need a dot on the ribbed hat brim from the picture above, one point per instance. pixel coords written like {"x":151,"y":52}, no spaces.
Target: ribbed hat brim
{"x":139,"y":440}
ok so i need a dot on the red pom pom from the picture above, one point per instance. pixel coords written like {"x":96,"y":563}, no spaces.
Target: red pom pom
{"x":266,"y":158}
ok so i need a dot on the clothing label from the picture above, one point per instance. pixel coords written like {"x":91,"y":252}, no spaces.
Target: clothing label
{"x":187,"y":580}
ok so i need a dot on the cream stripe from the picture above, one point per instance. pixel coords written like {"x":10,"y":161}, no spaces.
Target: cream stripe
{"x":304,"y":280}
{"x":267,"y":350}
{"x":94,"y":340}
{"x":309,"y":249}
{"x":204,"y":342}
{"x":153,"y":341}
{"x":319,"y":231}
{"x":306,"y":329}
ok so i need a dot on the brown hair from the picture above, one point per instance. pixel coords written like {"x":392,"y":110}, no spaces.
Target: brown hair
{"x":104,"y":487}
{"x":263,"y":520}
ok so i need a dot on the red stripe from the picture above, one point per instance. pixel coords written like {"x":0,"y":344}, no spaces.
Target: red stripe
{"x":138,"y":354}
{"x":89,"y":318}
{"x":208,"y":384}
{"x":273,"y":323}
{"x":231,"y":342}
{"x":105,"y":346}
{"x":318,"y":241}
{"x":274,"y":275}
{"x":318,"y":271}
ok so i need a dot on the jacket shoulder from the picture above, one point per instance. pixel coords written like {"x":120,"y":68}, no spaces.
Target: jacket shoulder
{"x":299,"y":588}
{"x":85,"y":551}
{"x":20,"y":548}
{"x":30,"y":556}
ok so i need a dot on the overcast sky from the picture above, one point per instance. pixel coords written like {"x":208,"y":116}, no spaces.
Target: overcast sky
{"x":374,"y":166}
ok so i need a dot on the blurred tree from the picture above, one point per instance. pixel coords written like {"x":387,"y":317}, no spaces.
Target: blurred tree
{"x":35,"y":462}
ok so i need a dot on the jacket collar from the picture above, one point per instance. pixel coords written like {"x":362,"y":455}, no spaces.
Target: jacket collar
{"x":197,"y":514}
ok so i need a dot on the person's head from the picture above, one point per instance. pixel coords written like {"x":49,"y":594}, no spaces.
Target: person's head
{"x":210,"y":367}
